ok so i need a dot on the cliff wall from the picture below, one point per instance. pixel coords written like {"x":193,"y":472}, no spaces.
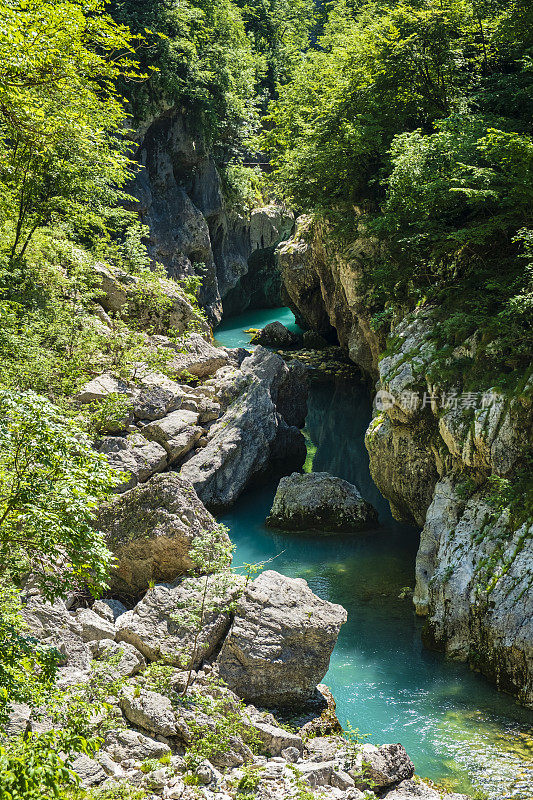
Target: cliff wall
{"x":193,"y":231}
{"x":438,"y":453}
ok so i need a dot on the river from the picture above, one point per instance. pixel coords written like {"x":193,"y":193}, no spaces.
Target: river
{"x":459,"y":731}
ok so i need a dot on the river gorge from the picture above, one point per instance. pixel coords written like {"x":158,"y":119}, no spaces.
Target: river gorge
{"x":459,"y":730}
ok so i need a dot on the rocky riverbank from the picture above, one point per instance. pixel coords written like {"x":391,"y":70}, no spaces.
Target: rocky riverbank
{"x":168,"y":665}
{"x":437,"y":453}
{"x":169,"y":689}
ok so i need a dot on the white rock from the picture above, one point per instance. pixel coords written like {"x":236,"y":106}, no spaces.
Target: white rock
{"x":93,"y":626}
{"x":280,"y":643}
{"x":177,"y":433}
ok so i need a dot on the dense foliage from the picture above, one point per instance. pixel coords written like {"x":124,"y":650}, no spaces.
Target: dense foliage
{"x":51,"y":479}
{"x":411,"y":121}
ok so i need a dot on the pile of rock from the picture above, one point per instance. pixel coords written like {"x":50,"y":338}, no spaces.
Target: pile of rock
{"x":240,"y":420}
{"x":149,"y":728}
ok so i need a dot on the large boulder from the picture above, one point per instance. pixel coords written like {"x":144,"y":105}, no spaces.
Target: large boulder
{"x":319,"y":501}
{"x":380,"y":768}
{"x":151,"y":529}
{"x":280,"y":642}
{"x":125,"y":744}
{"x":243,"y":442}
{"x":275,"y":334}
{"x":93,"y":627}
{"x":199,"y":358}
{"x":53,"y":625}
{"x":100,"y":388}
{"x":124,"y":660}
{"x":165,"y":625}
{"x":151,"y":711}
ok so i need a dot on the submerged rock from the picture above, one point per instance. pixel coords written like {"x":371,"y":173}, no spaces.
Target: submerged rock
{"x":151,"y":529}
{"x":280,"y":642}
{"x":319,"y":501}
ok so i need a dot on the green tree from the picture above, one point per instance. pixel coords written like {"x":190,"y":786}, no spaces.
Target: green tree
{"x":381,"y":69}
{"x":51,"y":480}
{"x":204,"y":62}
{"x":62,"y":148}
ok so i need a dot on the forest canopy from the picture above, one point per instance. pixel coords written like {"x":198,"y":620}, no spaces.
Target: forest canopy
{"x":412,"y":121}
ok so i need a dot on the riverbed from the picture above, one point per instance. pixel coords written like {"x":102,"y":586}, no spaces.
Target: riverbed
{"x":459,"y":731}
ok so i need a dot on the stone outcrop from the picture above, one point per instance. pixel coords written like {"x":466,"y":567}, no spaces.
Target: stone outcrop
{"x":280,"y":642}
{"x":151,"y":529}
{"x":321,"y":286}
{"x":251,"y":433}
{"x":192,"y":229}
{"x":152,"y":733}
{"x":199,"y":358}
{"x":241,"y":420}
{"x":116,"y":292}
{"x":426,"y":436}
{"x":382,"y":767}
{"x":319,"y":501}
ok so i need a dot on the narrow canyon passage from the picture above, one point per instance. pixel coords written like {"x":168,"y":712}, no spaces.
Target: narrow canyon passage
{"x":458,"y":729}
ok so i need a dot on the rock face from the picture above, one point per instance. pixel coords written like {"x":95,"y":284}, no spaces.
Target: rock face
{"x":426,"y":437}
{"x":473,"y":575}
{"x":251,"y":433}
{"x":151,"y":529}
{"x":280,"y":643}
{"x":320,"y":285}
{"x":192,"y":231}
{"x":319,"y":501}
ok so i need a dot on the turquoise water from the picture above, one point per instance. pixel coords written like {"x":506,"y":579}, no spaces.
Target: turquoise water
{"x":458,"y":730}
{"x":231,"y":331}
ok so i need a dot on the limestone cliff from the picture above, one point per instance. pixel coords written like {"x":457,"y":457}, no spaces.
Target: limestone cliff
{"x":434,"y":450}
{"x":192,"y":229}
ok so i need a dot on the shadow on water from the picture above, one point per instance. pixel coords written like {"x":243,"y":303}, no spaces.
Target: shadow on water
{"x":455,"y":726}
